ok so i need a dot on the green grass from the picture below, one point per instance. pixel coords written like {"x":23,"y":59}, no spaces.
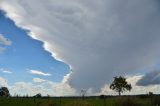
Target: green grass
{"x":114,"y":101}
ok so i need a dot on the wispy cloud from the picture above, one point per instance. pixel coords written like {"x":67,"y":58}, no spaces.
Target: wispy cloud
{"x":5,"y":71}
{"x":4,"y":41}
{"x":37,"y":72}
{"x":38,"y":80}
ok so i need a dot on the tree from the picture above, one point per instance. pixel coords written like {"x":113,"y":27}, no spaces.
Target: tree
{"x":38,"y":95}
{"x":150,"y":93}
{"x":83,"y":93}
{"x":4,"y":92}
{"x":120,"y":85}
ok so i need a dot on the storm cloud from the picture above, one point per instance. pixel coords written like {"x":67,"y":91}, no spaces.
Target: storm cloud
{"x":99,"y":39}
{"x":151,"y":78}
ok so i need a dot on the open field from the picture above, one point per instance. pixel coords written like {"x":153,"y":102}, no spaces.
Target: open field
{"x":96,"y":101}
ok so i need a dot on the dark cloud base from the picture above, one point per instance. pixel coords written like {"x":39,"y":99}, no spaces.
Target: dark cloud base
{"x":151,"y":78}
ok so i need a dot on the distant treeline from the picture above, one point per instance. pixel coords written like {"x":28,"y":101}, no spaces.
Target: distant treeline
{"x":92,"y":97}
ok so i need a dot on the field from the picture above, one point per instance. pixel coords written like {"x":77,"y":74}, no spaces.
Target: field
{"x":90,"y":101}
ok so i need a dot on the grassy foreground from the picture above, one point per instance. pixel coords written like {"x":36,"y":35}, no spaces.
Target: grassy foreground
{"x":111,"y":101}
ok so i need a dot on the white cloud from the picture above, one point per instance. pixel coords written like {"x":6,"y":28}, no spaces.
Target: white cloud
{"x":3,"y":82}
{"x":8,"y":72}
{"x":135,"y":88}
{"x":47,"y":88}
{"x":5,"y":71}
{"x":63,"y":89}
{"x":100,"y":39}
{"x":28,"y":88}
{"x":38,"y":80}
{"x":4,"y":41}
{"x":37,"y":72}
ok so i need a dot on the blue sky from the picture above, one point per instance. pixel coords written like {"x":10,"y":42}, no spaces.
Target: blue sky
{"x":25,"y":54}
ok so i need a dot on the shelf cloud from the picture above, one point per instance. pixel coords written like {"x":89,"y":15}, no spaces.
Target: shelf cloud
{"x":98,"y":39}
{"x":151,"y":78}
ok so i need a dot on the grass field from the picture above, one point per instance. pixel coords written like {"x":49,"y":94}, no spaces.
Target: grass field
{"x":112,"y":101}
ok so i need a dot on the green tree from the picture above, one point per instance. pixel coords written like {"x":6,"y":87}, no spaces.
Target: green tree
{"x":38,"y":95}
{"x":120,"y":85}
{"x":4,"y":92}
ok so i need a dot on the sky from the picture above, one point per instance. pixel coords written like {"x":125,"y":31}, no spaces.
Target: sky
{"x":61,"y":47}
{"x":24,"y":54}
{"x":24,"y":59}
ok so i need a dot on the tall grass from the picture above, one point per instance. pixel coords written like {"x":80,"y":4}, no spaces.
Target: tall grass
{"x":111,"y":101}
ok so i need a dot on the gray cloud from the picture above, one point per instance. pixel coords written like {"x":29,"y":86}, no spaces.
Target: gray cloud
{"x":99,"y":39}
{"x":151,"y":78}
